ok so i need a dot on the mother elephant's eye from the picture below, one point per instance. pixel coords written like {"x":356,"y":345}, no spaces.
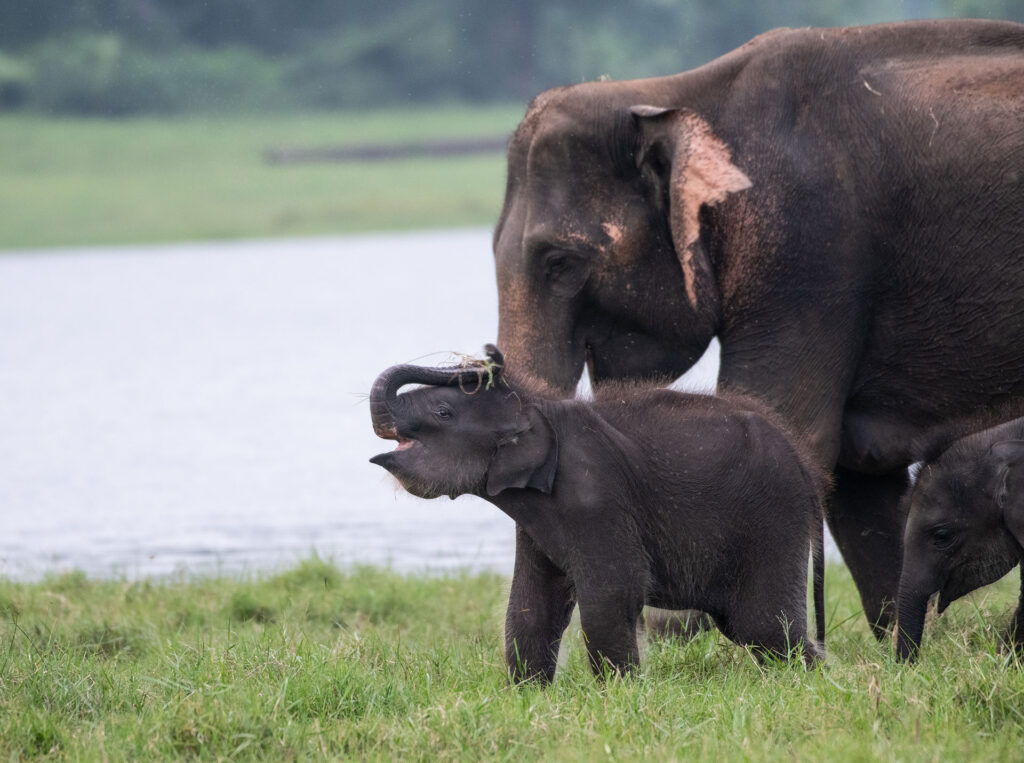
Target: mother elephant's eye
{"x":558,"y":264}
{"x":565,"y":272}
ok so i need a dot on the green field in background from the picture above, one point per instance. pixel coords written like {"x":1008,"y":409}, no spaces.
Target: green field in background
{"x":316,"y":663}
{"x":90,"y":181}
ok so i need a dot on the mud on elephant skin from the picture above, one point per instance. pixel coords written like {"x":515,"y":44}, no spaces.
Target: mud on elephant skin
{"x":642,"y":496}
{"x":965,"y":525}
{"x":840,"y":207}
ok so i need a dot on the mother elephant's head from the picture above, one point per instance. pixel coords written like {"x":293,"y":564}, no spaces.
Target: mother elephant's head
{"x":601,"y":255}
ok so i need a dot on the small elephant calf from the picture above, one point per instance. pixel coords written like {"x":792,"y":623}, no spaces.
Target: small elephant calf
{"x":965,"y":525}
{"x":644,"y":496}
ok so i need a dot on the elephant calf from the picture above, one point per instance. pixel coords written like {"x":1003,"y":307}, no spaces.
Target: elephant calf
{"x":644,"y":496}
{"x":965,"y":525}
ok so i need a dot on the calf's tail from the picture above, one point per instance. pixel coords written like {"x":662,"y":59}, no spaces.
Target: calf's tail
{"x":820,"y":484}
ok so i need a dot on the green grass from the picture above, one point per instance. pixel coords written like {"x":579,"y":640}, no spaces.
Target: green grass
{"x":81,"y":181}
{"x":368,"y":664}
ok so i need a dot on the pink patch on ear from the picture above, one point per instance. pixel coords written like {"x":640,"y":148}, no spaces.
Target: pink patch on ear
{"x":702,"y":173}
{"x":613,"y":231}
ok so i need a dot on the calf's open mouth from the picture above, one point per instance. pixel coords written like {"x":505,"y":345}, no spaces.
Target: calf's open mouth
{"x":404,"y":443}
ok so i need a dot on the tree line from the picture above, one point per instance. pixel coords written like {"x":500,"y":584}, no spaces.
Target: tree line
{"x":123,"y":57}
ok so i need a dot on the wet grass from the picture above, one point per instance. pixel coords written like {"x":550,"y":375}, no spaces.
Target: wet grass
{"x":318,"y":663}
{"x":68,"y":182}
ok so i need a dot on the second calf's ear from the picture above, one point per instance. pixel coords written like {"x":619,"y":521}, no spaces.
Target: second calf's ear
{"x":1009,"y":491}
{"x":526,"y":457}
{"x":1009,"y":457}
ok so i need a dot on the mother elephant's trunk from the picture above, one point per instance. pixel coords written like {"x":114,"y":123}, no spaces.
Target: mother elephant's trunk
{"x":384,"y":398}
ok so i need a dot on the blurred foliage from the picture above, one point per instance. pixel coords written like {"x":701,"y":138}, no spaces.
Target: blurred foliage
{"x":174,"y":56}
{"x":15,"y":81}
{"x":90,"y":73}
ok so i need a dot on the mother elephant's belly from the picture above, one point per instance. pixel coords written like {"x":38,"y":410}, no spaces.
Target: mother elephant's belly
{"x":874,"y":444}
{"x":964,"y":360}
{"x":881,"y":423}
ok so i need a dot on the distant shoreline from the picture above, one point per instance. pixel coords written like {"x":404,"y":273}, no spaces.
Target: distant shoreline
{"x":387,"y":151}
{"x":90,"y":182}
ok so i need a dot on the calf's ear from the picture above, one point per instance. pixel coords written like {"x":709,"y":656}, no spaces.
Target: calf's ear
{"x":1009,"y":492}
{"x":526,"y":457}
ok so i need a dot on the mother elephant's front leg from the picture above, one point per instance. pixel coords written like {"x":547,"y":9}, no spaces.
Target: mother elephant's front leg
{"x":865,"y":520}
{"x":807,"y":378}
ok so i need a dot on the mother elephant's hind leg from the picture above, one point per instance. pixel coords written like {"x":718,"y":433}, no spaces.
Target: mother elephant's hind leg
{"x":1015,"y":631}
{"x":683,"y":624}
{"x":864,"y":518}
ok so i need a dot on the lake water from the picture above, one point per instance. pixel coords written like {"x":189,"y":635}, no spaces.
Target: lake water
{"x":202,"y":407}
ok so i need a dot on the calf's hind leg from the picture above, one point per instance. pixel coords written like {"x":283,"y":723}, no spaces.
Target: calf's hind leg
{"x":784,"y":640}
{"x":608,"y":615}
{"x":774,"y":621}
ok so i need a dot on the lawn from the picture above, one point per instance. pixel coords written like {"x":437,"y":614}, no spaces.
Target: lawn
{"x":94,"y":181}
{"x":317,"y":663}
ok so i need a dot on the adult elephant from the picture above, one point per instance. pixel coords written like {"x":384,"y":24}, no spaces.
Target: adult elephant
{"x":843,"y":208}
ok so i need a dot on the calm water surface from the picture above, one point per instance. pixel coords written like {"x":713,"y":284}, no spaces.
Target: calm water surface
{"x":202,"y":407}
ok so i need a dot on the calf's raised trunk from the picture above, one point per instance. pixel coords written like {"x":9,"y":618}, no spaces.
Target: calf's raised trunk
{"x":384,"y":398}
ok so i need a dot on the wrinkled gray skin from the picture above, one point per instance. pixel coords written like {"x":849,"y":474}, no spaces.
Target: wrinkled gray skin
{"x":965,"y":527}
{"x":641,"y":497}
{"x":840,"y":207}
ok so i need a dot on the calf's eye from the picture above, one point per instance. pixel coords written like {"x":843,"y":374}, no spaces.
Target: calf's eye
{"x":942,"y":536}
{"x":443,"y":412}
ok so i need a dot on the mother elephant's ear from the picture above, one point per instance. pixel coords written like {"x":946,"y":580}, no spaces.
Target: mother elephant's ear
{"x":526,"y":456}
{"x":1009,"y":491}
{"x":693,"y":168}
